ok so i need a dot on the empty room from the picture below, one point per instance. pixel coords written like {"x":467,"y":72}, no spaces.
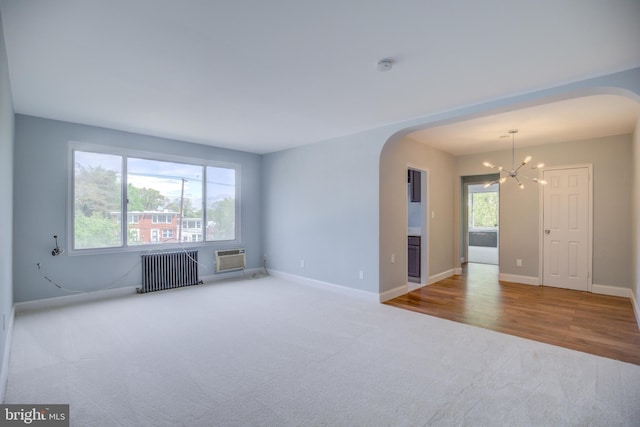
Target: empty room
{"x":319,"y":213}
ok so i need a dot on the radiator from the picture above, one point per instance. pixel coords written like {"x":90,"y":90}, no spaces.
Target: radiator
{"x":229,"y":260}
{"x":168,"y":270}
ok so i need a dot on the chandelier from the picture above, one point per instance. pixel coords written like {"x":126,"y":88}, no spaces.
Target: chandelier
{"x":513,"y":173}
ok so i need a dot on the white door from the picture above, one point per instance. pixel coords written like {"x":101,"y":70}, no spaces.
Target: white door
{"x":566,"y":223}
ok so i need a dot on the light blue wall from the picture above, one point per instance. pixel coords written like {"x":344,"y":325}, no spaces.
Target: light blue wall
{"x":6,"y":211}
{"x":40,"y":208}
{"x":321,"y":206}
{"x":333,"y":204}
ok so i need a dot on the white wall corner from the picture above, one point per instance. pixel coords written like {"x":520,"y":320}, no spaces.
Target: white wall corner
{"x":514,"y":278}
{"x":369,"y":296}
{"x":614,"y":291}
{"x":4,"y":367}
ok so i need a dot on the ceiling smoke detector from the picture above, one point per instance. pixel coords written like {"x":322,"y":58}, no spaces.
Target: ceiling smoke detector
{"x":385,"y":65}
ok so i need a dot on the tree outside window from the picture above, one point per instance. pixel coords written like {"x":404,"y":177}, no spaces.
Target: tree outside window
{"x":164,"y":201}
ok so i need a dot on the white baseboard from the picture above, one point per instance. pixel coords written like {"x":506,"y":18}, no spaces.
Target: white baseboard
{"x":393,"y":293}
{"x":444,"y":275}
{"x":514,"y":278}
{"x":457,"y":271}
{"x":4,"y":365}
{"x":636,"y":308}
{"x":237,"y":274}
{"x":73,"y":299}
{"x":117,"y":292}
{"x":412,"y":286}
{"x":370,"y":296}
{"x":614,"y":291}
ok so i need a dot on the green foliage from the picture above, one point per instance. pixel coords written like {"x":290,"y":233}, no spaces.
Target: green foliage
{"x":96,"y":231}
{"x":483,"y":208}
{"x":97,"y":190}
{"x":97,"y":207}
{"x":144,"y":199}
{"x":222,"y":215}
{"x":188,"y":210}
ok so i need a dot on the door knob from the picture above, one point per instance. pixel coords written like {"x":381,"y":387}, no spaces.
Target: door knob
{"x":547,"y":231}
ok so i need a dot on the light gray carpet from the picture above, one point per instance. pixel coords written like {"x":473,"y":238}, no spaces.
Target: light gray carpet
{"x":269,"y":352}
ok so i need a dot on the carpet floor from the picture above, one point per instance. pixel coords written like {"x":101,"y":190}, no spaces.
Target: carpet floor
{"x":270,"y":352}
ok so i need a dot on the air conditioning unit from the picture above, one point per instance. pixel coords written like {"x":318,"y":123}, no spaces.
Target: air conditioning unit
{"x":230,"y":260}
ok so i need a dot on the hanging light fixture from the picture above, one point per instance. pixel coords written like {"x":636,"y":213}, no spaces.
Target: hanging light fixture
{"x":513,"y":173}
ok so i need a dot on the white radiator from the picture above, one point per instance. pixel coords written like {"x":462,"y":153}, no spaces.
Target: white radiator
{"x":229,"y":260}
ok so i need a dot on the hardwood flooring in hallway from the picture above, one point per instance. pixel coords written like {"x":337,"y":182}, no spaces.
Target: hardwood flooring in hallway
{"x":596,"y":324}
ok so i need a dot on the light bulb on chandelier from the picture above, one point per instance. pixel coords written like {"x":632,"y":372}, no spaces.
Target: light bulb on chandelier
{"x":513,"y":173}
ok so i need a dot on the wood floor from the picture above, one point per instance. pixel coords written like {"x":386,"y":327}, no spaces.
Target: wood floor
{"x":596,"y":324}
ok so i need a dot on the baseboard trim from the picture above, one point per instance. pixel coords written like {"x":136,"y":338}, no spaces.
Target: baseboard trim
{"x":614,"y":291}
{"x":237,"y":274}
{"x":412,"y":286}
{"x":514,"y":278}
{"x":441,"y":276}
{"x":4,"y":366}
{"x":393,"y":293}
{"x":636,"y":308}
{"x":370,"y":296}
{"x":73,"y":299}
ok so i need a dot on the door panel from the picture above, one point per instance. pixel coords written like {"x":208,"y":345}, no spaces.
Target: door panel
{"x":566,"y":228}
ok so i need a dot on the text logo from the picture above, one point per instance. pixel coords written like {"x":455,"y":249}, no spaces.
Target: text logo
{"x":34,"y":415}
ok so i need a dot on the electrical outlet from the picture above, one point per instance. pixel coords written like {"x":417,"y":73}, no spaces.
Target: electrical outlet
{"x":518,"y":262}
{"x":301,"y":263}
{"x":361,"y":274}
{"x":393,"y":258}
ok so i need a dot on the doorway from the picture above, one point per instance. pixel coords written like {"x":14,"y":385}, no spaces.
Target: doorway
{"x":417,"y":227}
{"x":481,"y":228}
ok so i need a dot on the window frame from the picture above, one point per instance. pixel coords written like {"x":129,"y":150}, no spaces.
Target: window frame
{"x":124,"y":213}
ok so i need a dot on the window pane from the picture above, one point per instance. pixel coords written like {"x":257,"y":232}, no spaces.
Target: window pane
{"x":485,"y":210}
{"x":221,"y":204}
{"x":97,"y":200}
{"x":163,"y":195}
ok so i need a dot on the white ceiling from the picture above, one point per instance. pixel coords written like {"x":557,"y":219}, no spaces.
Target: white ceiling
{"x":575,"y":119}
{"x":262,"y":76}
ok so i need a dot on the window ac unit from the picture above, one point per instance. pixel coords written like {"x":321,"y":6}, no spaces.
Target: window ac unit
{"x":230,"y":260}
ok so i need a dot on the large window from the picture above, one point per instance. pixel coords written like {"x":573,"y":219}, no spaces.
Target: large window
{"x":164,"y":202}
